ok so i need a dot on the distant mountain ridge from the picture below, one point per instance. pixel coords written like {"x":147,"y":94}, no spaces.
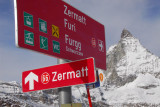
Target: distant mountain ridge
{"x":11,"y":95}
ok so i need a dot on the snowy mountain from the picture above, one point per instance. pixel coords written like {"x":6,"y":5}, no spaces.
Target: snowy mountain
{"x":132,"y":80}
{"x":128,"y":59}
{"x":132,"y":76}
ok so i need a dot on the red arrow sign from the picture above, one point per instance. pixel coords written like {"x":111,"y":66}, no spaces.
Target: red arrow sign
{"x":63,"y":75}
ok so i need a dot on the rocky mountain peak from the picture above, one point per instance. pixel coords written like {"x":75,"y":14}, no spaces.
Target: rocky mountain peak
{"x":125,"y":33}
{"x":129,"y":58}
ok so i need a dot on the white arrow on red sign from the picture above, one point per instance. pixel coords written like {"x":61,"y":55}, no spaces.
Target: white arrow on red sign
{"x":30,"y":78}
{"x":62,"y":75}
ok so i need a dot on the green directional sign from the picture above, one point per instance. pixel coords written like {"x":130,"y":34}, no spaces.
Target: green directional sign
{"x":29,"y":38}
{"x":56,"y":47}
{"x":28,"y":20}
{"x":42,"y":26}
{"x":43,"y":43}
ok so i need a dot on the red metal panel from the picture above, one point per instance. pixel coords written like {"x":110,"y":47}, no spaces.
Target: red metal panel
{"x":55,"y":28}
{"x":63,"y":75}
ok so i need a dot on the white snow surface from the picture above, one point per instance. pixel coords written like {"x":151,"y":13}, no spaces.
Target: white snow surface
{"x":135,"y":93}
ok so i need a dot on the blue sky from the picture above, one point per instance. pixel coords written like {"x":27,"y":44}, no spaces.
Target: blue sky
{"x":153,"y":9}
{"x":140,"y":17}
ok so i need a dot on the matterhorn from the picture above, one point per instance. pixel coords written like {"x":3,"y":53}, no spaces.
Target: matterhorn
{"x":133,"y":74}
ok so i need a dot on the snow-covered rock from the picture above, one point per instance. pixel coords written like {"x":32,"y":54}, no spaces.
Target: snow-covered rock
{"x":128,"y":59}
{"x":144,"y":89}
{"x":132,"y":76}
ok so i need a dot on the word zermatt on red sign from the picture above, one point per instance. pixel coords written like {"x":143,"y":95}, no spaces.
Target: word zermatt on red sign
{"x":63,"y":75}
{"x":57,"y":29}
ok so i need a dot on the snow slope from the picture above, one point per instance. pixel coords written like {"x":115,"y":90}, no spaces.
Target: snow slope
{"x":144,"y":89}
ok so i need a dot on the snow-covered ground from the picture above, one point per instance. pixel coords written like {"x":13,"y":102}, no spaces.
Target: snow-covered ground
{"x":144,"y":89}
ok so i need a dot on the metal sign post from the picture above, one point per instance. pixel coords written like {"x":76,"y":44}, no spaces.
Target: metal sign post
{"x":65,"y":94}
